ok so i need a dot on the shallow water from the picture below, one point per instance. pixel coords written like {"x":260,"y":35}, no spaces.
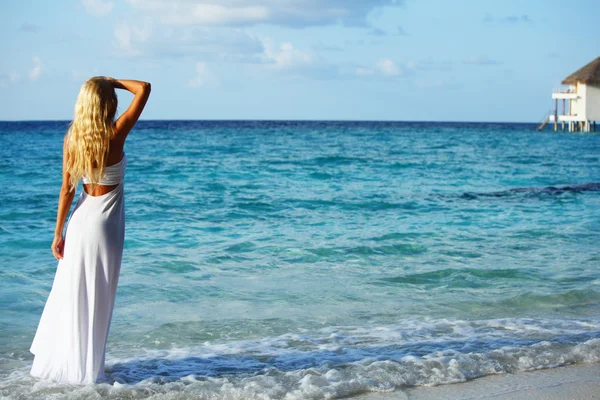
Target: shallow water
{"x":305,"y":260}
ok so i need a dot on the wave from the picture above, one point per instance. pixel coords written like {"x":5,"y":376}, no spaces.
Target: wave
{"x":392,"y":249}
{"x":252,"y":208}
{"x":336,"y":362}
{"x":535,"y":191}
{"x":402,"y":235}
{"x":336,"y":160}
{"x":459,"y":277}
{"x":570,"y":302}
{"x":571,"y":299}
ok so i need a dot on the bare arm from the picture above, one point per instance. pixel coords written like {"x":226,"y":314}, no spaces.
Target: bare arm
{"x":64,"y":203}
{"x":141,"y":91}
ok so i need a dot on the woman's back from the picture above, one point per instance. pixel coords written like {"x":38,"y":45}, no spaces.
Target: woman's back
{"x":70,"y":343}
{"x":109,"y":182}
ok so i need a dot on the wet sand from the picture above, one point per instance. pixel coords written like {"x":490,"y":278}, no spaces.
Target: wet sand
{"x":576,"y":382}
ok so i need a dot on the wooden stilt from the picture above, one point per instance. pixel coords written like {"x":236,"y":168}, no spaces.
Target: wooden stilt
{"x":555,"y":115}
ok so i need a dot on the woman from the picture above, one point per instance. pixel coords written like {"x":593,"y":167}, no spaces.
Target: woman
{"x":70,"y":342}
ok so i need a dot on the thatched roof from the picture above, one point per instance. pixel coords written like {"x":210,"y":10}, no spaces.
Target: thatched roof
{"x":590,"y":74}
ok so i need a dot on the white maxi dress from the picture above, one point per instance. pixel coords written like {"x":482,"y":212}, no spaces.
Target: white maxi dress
{"x":70,"y":343}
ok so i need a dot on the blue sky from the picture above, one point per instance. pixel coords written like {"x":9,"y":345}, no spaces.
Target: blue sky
{"x":442,"y":60}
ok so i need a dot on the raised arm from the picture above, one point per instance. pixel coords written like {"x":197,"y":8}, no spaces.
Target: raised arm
{"x":141,"y":91}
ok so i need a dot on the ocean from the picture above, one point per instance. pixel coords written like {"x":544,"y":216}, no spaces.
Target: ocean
{"x":310,"y":260}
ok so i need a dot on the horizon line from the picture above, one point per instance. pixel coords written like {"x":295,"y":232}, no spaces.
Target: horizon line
{"x":288,"y":120}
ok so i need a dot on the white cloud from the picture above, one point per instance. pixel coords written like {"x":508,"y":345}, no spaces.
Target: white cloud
{"x":123,"y":35}
{"x":213,"y":14}
{"x":288,"y":60}
{"x":209,"y":44}
{"x":36,"y":71}
{"x":203,"y":76}
{"x":97,"y":8}
{"x":212,"y":44}
{"x":388,"y":68}
{"x":129,"y":36}
{"x":384,"y":67}
{"x":217,"y":31}
{"x":286,"y":56}
{"x":247,"y":12}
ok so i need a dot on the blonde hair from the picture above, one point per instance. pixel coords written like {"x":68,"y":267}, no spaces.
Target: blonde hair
{"x":91,"y":130}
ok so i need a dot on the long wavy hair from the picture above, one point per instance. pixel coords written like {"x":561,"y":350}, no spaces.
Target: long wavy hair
{"x":91,"y":130}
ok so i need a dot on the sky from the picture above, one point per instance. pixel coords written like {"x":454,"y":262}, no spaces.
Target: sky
{"x":413,"y":60}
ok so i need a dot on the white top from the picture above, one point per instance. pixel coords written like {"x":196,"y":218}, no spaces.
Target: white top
{"x":113,"y":174}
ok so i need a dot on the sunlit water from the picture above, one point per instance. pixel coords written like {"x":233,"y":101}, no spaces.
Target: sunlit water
{"x":306,"y":260}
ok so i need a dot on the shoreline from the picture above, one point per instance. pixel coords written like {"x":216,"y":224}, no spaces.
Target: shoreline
{"x":573,"y":382}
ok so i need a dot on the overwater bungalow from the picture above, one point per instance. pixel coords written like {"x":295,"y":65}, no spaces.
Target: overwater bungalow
{"x":578,"y":106}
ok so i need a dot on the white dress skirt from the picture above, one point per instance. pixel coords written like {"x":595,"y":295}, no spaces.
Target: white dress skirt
{"x":70,"y":342}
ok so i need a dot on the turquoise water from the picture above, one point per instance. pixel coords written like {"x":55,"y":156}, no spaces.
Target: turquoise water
{"x":306,"y":260}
